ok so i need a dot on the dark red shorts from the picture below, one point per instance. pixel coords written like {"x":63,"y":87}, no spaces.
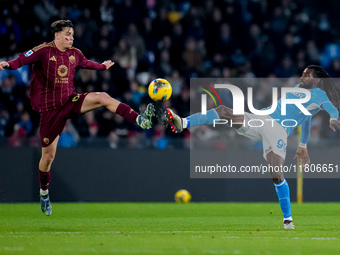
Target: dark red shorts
{"x":53,"y":122}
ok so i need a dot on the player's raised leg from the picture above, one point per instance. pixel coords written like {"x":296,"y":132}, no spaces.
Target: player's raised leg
{"x":47,"y":157}
{"x":177,"y":123}
{"x":282,"y":189}
{"x":96,"y":100}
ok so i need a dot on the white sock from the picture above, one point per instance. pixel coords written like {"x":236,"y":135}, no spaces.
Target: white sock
{"x":184,"y":122}
{"x":290,"y":218}
{"x":43,"y":192}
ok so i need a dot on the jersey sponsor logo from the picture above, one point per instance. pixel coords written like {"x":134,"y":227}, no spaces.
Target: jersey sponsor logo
{"x":61,"y":80}
{"x":46,"y":140}
{"x":299,"y":95}
{"x":62,"y":70}
{"x":53,"y":58}
{"x":28,"y":53}
{"x":72,"y":59}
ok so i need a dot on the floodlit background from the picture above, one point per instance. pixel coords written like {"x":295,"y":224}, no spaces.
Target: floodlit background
{"x":176,"y":40}
{"x":103,"y":158}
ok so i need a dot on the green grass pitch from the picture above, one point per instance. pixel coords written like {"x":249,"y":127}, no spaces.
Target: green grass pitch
{"x":169,"y":228}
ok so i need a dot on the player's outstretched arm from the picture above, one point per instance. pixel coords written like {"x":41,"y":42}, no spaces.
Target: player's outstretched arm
{"x":89,"y":64}
{"x":3,"y":64}
{"x":108,"y":63}
{"x":333,"y":123}
{"x":302,"y":156}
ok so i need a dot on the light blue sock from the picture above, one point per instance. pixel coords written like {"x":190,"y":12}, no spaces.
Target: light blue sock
{"x":282,"y":191}
{"x":200,"y":119}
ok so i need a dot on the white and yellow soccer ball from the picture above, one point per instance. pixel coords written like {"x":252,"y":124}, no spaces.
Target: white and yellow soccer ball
{"x":160,"y":90}
{"x":182,"y":196}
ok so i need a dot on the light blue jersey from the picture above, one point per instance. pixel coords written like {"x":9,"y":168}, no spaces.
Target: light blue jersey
{"x":318,"y":101}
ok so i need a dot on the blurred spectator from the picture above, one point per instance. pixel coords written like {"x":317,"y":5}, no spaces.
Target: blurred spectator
{"x":88,"y":79}
{"x":126,"y":14}
{"x":159,"y":139}
{"x":133,"y":140}
{"x":45,"y":10}
{"x":25,"y":124}
{"x":176,"y":82}
{"x":192,"y":57}
{"x":17,"y":139}
{"x":6,"y":123}
{"x":105,"y":82}
{"x":164,"y":67}
{"x":313,"y":52}
{"x":301,"y":61}
{"x":228,"y":38}
{"x":33,"y":37}
{"x":9,"y":93}
{"x":286,"y":69}
{"x":213,"y":25}
{"x":334,"y":69}
{"x":87,"y":20}
{"x":161,"y":25}
{"x":106,"y":11}
{"x":224,"y":44}
{"x":136,"y":41}
{"x":69,"y":137}
{"x":136,"y":93}
{"x":92,"y":127}
{"x":83,"y":40}
{"x":113,"y":140}
{"x":10,"y":35}
{"x":127,"y":56}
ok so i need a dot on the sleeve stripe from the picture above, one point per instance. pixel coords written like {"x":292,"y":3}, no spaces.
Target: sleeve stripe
{"x":42,"y":46}
{"x":73,"y":48}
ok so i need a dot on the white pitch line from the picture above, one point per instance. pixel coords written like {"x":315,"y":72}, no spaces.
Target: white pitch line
{"x":6,"y":248}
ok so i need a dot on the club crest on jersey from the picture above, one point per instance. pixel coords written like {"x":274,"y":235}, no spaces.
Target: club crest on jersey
{"x":28,"y":53}
{"x":72,"y":59}
{"x":75,"y":99}
{"x":62,"y":70}
{"x":46,"y":140}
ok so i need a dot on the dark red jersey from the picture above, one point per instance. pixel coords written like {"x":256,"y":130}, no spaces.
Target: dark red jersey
{"x":52,"y":74}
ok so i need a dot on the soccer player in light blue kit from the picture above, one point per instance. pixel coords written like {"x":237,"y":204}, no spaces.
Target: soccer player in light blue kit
{"x":324,"y":96}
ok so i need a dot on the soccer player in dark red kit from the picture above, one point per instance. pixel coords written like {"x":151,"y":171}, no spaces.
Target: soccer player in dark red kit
{"x":53,"y":94}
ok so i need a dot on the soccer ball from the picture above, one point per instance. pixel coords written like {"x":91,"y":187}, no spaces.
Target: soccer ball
{"x":160,"y":90}
{"x":182,"y":196}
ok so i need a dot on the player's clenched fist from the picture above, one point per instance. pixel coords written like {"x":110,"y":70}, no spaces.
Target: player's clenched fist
{"x":3,"y":64}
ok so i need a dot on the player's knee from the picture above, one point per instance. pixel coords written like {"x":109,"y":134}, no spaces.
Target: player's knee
{"x":104,"y":99}
{"x":48,"y":158}
{"x":224,"y":112}
{"x":277,"y":177}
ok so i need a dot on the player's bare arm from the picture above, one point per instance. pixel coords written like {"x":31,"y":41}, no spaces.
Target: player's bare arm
{"x":334,"y":123}
{"x":3,"y":64}
{"x":108,"y":63}
{"x":302,"y":156}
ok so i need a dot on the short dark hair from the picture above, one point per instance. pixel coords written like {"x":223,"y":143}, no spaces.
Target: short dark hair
{"x":59,"y":25}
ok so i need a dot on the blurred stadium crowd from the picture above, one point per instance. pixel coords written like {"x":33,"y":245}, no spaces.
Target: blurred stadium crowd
{"x":174,"y":39}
